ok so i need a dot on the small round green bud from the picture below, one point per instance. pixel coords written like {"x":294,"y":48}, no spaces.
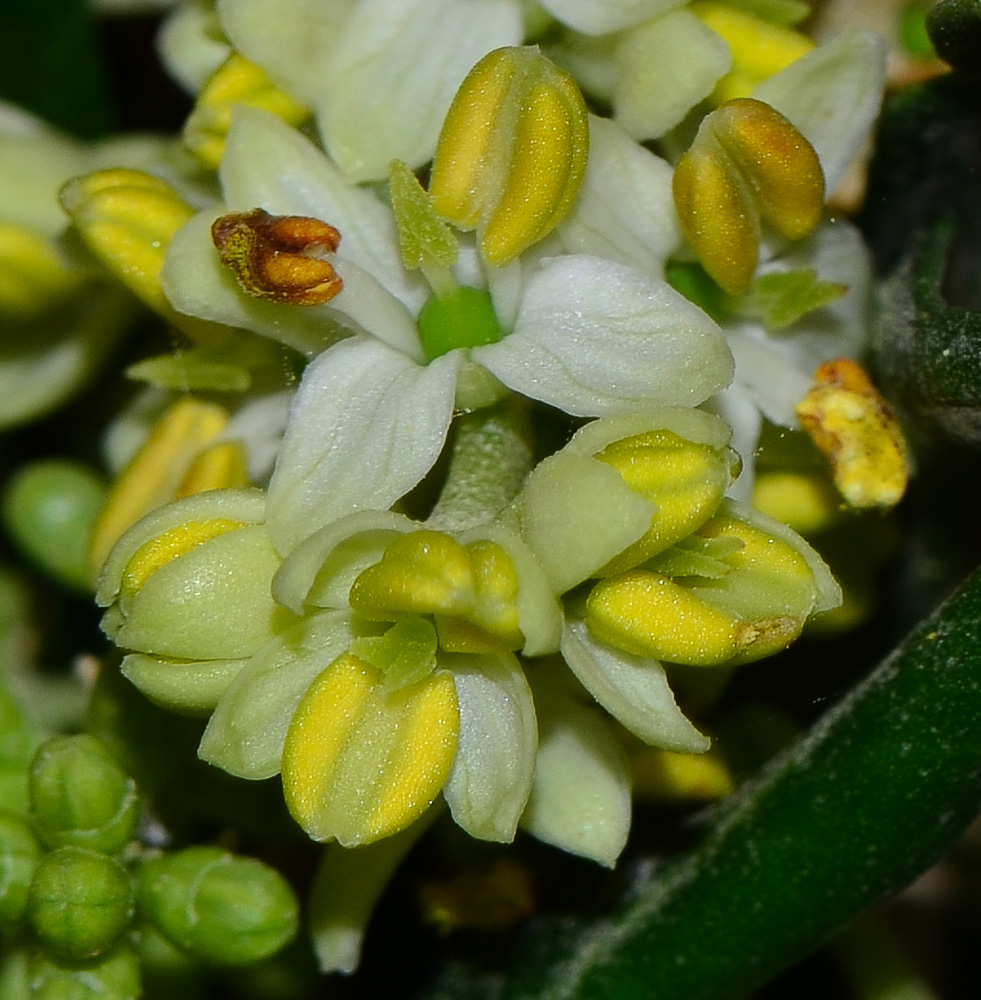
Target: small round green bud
{"x":221,"y":908}
{"x":50,"y":509}
{"x":80,"y":902}
{"x":115,"y":976}
{"x":19,"y":854}
{"x":80,"y":796}
{"x":463,"y":318}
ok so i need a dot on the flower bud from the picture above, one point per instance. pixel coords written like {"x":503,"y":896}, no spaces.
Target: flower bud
{"x":50,"y":508}
{"x":236,"y":81}
{"x":360,"y":762}
{"x":512,"y":152}
{"x":219,"y":907}
{"x":112,"y":976}
{"x":80,"y":902}
{"x":740,"y":588}
{"x":19,"y":855}
{"x":80,"y":796}
{"x":191,"y":580}
{"x":747,"y":163}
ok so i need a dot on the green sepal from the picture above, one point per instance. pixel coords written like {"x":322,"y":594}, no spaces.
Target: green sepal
{"x":424,"y":238}
{"x":780,"y":298}
{"x":406,"y":653}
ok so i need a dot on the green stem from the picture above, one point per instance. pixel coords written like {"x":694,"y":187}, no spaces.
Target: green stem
{"x":867,"y":800}
{"x":489,"y":459}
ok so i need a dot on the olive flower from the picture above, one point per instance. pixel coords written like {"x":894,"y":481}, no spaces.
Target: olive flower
{"x":581,"y":332}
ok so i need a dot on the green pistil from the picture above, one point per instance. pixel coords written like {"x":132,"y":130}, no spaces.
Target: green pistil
{"x":463,"y":317}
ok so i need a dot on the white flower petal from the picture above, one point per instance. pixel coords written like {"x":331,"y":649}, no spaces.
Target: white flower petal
{"x":580,"y":801}
{"x":394,"y":71}
{"x":832,"y":94}
{"x":664,"y":68}
{"x":495,"y":759}
{"x":366,"y":425}
{"x":625,"y":209}
{"x":346,"y":886}
{"x":287,"y":39}
{"x":269,"y":165}
{"x":634,"y":690}
{"x":596,"y":337}
{"x":246,"y":733}
{"x":190,"y":46}
{"x":597,"y":17}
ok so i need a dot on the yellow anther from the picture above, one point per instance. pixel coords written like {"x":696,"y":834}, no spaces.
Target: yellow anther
{"x":806,"y":502}
{"x":428,"y":572}
{"x":128,"y":219}
{"x":747,"y":163}
{"x":361,"y":763}
{"x":679,"y":777}
{"x":685,"y":480}
{"x":218,"y":467}
{"x":236,"y":81}
{"x":32,"y":278}
{"x":495,"y":590}
{"x":648,"y":614}
{"x":419,"y":573}
{"x":279,"y":257}
{"x":161,"y":550}
{"x":752,"y":599}
{"x":857,"y":431}
{"x":759,"y":48}
{"x":155,"y":473}
{"x":512,"y":152}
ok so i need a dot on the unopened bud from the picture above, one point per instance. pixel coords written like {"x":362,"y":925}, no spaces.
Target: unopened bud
{"x":512,"y":152}
{"x":32,"y":279}
{"x":80,"y":796}
{"x":19,"y":855}
{"x":80,"y":903}
{"x":219,"y":907}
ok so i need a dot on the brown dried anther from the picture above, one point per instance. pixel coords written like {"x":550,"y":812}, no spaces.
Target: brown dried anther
{"x":278,"y":257}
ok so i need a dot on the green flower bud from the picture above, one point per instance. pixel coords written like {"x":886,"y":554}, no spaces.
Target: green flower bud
{"x":191,"y":580}
{"x":80,"y":902}
{"x":50,"y":509}
{"x":512,"y":152}
{"x":80,"y":796}
{"x":114,"y":976}
{"x":221,"y":908}
{"x":19,"y":854}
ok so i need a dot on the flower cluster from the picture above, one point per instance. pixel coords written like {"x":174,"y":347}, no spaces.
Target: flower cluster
{"x":458,"y":444}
